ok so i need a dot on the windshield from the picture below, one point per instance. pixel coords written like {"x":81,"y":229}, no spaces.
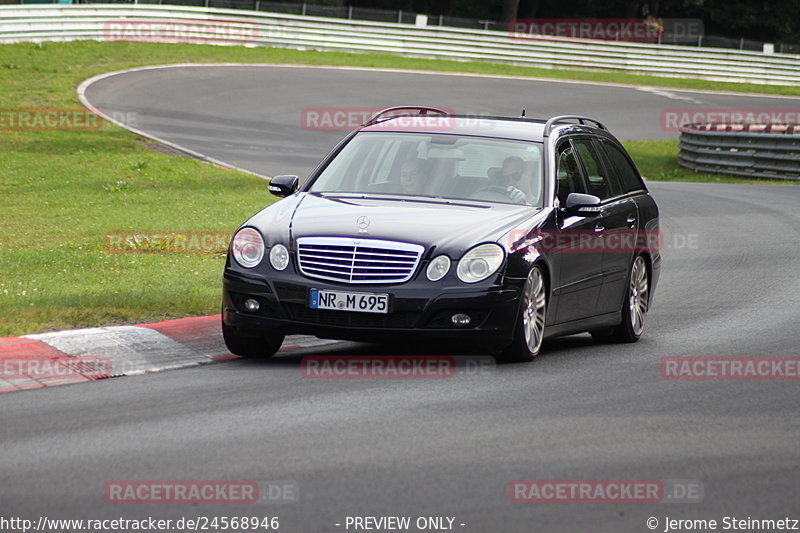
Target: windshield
{"x":437,"y":165}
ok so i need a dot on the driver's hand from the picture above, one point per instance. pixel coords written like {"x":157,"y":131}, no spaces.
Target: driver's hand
{"x":516,"y":195}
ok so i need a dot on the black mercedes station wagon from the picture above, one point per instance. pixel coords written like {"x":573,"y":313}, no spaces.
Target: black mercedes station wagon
{"x":484,"y":231}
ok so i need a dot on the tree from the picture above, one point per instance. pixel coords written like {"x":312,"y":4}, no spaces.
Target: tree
{"x":509,"y":11}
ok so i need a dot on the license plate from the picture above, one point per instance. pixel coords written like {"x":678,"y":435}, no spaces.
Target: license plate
{"x":361,"y":302}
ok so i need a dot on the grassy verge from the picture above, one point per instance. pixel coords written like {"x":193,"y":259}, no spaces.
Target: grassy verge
{"x":54,"y":67}
{"x":658,"y":161}
{"x":61,"y":192}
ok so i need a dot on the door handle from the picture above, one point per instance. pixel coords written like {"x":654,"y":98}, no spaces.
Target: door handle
{"x":599,"y":229}
{"x":631,"y":221}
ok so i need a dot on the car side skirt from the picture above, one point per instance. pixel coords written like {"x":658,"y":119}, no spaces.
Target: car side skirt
{"x":607,"y":320}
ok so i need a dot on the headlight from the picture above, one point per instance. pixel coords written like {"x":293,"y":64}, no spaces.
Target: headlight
{"x":438,"y":268}
{"x":279,"y":257}
{"x":480,"y":263}
{"x":248,"y":247}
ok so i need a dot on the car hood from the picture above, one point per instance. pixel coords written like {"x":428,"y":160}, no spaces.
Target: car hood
{"x":449,"y":226}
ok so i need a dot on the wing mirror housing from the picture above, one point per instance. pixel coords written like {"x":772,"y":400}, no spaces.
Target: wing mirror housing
{"x":582,"y":204}
{"x":283,"y":186}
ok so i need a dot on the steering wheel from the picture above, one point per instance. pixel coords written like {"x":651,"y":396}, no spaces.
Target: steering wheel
{"x":498,"y":193}
{"x":491,"y":193}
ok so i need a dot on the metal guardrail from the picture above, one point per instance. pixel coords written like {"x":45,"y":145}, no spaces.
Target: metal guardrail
{"x":91,"y":21}
{"x":749,"y":150}
{"x":318,"y":8}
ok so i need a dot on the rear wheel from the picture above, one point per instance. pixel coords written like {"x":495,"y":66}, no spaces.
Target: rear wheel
{"x":263,"y":346}
{"x":529,"y":330}
{"x":634,"y":307}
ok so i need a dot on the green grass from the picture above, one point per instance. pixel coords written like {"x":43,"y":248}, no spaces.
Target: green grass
{"x":658,"y":161}
{"x":48,"y":72}
{"x":62,"y":191}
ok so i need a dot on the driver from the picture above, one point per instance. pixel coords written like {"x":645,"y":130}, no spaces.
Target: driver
{"x":412,"y":176}
{"x":509,"y":177}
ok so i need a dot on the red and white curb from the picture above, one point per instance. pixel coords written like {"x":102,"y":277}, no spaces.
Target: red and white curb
{"x":80,"y":355}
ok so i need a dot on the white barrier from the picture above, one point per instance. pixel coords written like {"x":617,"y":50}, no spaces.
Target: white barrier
{"x":92,"y":21}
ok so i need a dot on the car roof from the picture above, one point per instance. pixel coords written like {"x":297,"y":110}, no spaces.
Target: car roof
{"x":526,"y":130}
{"x":520,"y":128}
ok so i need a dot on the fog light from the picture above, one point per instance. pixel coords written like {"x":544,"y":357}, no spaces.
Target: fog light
{"x":460,"y":319}
{"x":251,"y":305}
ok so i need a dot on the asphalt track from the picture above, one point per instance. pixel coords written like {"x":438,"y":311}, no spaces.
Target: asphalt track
{"x":445,"y":447}
{"x":251,"y":116}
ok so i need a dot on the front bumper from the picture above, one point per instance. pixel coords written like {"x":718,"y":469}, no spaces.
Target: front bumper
{"x":418,"y":309}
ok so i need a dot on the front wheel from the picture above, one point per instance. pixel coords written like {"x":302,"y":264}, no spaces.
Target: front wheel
{"x":529,"y":330}
{"x":262,"y":347}
{"x":634,"y":307}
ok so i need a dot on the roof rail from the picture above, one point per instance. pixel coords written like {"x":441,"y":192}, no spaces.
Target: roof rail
{"x":398,"y":111}
{"x":553,"y":121}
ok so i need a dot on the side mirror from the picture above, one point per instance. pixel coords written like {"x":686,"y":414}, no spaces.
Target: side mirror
{"x":282,"y":186}
{"x":582,"y":204}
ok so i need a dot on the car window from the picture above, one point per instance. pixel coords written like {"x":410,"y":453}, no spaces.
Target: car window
{"x":385,"y":156}
{"x":437,"y":165}
{"x":600,"y":184}
{"x":569,"y":176}
{"x":625,"y":170}
{"x":480,"y":158}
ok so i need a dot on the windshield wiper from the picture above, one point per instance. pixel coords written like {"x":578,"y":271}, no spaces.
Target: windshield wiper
{"x":401,"y":198}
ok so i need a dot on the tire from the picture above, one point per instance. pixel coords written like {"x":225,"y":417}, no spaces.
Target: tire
{"x":261,"y":347}
{"x":529,"y":327}
{"x":635,"y":305}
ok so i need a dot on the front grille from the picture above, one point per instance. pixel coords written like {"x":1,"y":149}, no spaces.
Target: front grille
{"x":402,"y":319}
{"x":357,"y":260}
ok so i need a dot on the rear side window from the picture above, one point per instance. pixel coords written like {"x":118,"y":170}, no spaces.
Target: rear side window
{"x":600,"y":184}
{"x":625,"y":170}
